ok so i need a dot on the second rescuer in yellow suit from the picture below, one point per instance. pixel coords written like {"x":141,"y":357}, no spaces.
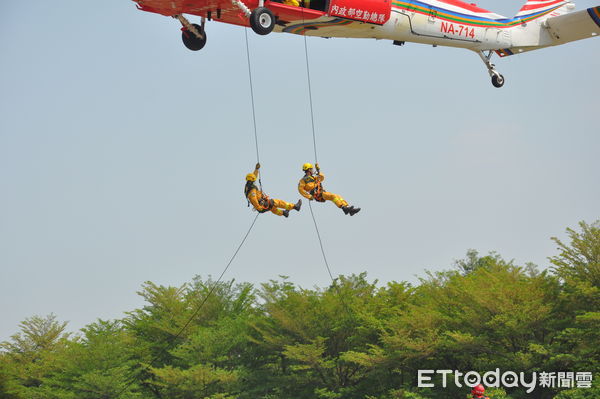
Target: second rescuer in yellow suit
{"x":261,"y":202}
{"x":310,"y":187}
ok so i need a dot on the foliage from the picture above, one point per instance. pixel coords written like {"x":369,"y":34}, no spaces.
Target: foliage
{"x":580,"y":259}
{"x":591,"y":393}
{"x":31,"y":355}
{"x":355,"y":339}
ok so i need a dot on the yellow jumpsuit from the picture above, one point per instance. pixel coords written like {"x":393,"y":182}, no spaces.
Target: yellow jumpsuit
{"x":259,"y":201}
{"x":309,"y":183}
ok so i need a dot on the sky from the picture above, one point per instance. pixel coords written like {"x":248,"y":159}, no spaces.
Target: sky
{"x":123,"y":156}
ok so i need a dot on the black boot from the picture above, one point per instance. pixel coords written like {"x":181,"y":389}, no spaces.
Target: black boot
{"x":286,"y":213}
{"x":353,"y":211}
{"x":346,"y":209}
{"x":298,"y":205}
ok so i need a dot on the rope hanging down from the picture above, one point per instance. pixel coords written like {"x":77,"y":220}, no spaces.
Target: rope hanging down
{"x":255,"y":218}
{"x":333,"y":280}
{"x":312,"y":119}
{"x":131,"y":381}
{"x":312,"y":116}
{"x":219,"y":280}
{"x":320,"y":242}
{"x":253,"y":108}
{"x":252,"y":95}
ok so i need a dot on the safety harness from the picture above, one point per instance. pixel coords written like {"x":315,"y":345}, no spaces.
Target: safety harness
{"x":265,"y":202}
{"x":316,"y":192}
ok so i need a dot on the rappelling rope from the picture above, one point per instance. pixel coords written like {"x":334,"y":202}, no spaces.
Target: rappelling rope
{"x":219,"y":280}
{"x":333,"y":280}
{"x":255,"y":217}
{"x":312,"y":119}
{"x":253,"y":108}
{"x":216,"y":283}
{"x":128,"y":384}
{"x":320,"y":242}
{"x":312,"y":116}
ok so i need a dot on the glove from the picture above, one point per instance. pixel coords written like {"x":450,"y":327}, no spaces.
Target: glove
{"x":317,"y":166}
{"x":258,"y":166}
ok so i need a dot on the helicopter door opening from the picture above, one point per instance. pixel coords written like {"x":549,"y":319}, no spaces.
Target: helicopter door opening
{"x":297,"y":10}
{"x":319,"y":5}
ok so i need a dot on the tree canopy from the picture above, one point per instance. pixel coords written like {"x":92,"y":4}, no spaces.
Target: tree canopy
{"x":353,"y":339}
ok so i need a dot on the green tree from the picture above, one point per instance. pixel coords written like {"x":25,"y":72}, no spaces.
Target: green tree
{"x":99,"y":365}
{"x":351,"y":340}
{"x":580,"y":259}
{"x":578,"y":266}
{"x":196,"y":382}
{"x":495,"y":315}
{"x":319,"y":343}
{"x":580,"y":393}
{"x":194,"y":337}
{"x":31,"y":355}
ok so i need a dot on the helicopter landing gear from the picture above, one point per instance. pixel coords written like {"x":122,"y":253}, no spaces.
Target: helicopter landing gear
{"x":192,"y":35}
{"x":193,"y":41}
{"x":262,"y":21}
{"x":497,"y":78}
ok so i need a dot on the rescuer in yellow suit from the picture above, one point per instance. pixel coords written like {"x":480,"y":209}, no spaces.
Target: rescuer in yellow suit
{"x":310,"y":186}
{"x":261,"y":202}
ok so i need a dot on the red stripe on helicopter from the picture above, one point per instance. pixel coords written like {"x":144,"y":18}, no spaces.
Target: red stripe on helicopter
{"x":528,"y":7}
{"x":465,"y":6}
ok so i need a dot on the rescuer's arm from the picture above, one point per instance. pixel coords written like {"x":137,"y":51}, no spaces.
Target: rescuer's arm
{"x":256,"y":168}
{"x":253,"y":198}
{"x":320,"y":176}
{"x":302,"y":190}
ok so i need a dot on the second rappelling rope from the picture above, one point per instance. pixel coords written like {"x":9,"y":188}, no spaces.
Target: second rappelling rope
{"x":253,"y":108}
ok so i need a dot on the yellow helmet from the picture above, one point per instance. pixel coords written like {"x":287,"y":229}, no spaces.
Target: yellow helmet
{"x":250,"y":177}
{"x":307,"y":166}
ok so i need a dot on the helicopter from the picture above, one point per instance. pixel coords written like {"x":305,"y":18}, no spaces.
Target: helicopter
{"x":538,"y":24}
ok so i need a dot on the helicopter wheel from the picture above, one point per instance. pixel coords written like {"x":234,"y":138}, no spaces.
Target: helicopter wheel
{"x":262,"y":21}
{"x":191,"y":41}
{"x":497,"y":80}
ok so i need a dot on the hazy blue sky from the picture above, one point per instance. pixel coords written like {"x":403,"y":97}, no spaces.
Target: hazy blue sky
{"x":123,"y":155}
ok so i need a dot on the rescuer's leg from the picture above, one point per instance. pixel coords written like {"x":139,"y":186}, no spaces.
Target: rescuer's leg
{"x":277,"y":203}
{"x":282,"y":208}
{"x":279,"y":212}
{"x":340,"y":203}
{"x":336,"y":199}
{"x":352,"y":210}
